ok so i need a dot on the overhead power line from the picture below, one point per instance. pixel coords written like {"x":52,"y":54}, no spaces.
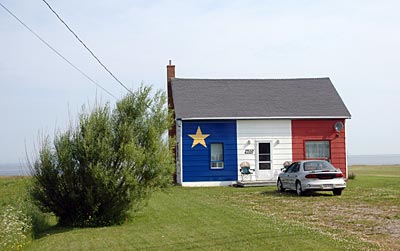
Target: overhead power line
{"x":84,"y":45}
{"x":55,"y":51}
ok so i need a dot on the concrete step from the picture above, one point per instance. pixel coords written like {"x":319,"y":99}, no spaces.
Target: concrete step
{"x":258,"y":183}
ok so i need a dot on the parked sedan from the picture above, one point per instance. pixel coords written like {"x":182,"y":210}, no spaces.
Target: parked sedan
{"x":311,"y":175}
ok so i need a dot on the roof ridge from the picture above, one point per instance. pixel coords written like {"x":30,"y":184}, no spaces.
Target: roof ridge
{"x":241,"y":79}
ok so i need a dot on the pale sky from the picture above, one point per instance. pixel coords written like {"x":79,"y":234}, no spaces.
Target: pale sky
{"x":355,"y":43}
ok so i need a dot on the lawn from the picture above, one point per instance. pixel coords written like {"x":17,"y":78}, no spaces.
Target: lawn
{"x":369,"y":208}
{"x":12,"y":190}
{"x":365,"y":217}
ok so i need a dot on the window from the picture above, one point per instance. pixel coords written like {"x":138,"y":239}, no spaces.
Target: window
{"x":264,"y":156}
{"x":294,"y":168}
{"x":217,"y":156}
{"x":319,"y":165}
{"x":318,"y":149}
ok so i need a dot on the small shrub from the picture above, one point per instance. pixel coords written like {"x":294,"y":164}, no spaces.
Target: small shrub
{"x":15,"y":229}
{"x":352,"y":176}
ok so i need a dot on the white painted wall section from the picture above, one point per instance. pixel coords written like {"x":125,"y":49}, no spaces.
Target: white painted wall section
{"x":276,"y":132}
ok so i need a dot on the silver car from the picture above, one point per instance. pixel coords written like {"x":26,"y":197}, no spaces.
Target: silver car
{"x":311,"y":175}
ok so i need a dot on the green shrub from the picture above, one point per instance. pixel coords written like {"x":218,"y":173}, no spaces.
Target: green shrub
{"x":95,"y":172}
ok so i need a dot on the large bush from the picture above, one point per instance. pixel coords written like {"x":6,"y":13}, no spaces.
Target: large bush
{"x":96,"y":172}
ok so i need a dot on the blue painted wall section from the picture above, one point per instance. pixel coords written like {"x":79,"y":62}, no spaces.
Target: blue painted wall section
{"x":196,"y":161}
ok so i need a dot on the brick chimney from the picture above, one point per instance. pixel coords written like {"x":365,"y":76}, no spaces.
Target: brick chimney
{"x":170,"y":75}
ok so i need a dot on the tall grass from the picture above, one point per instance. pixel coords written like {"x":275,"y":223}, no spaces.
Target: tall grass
{"x":15,"y":228}
{"x":20,"y":219}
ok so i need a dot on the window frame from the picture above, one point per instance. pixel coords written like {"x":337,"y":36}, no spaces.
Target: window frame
{"x":264,"y":161}
{"x":317,"y":158}
{"x":219,"y":161}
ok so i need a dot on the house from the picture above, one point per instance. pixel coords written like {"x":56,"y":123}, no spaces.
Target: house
{"x":221,"y":123}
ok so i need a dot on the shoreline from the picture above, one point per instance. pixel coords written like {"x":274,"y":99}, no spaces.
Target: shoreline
{"x":11,"y":176}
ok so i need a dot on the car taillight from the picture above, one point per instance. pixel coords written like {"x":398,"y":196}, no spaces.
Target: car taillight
{"x":339,"y":175}
{"x":311,"y":176}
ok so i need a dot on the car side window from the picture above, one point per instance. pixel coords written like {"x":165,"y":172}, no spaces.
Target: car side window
{"x":293,"y":168}
{"x":296,"y":168}
{"x":289,"y":169}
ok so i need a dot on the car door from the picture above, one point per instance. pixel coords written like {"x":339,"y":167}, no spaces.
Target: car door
{"x":293,"y":173}
{"x":285,"y":177}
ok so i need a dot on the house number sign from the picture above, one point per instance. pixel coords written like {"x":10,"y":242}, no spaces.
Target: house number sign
{"x":248,"y":151}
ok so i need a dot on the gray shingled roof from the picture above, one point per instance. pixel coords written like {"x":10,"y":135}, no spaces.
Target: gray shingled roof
{"x":257,"y":98}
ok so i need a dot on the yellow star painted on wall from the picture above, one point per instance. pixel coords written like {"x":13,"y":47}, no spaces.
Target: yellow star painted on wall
{"x":199,"y":138}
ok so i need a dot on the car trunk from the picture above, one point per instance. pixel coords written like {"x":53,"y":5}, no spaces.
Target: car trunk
{"x":324,"y":176}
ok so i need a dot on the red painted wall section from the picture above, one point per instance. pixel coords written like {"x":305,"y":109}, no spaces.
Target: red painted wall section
{"x":303,"y":130}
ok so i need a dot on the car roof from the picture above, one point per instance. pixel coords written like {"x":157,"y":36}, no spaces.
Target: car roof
{"x":311,"y":160}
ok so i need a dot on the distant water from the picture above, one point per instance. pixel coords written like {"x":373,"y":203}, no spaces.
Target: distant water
{"x":383,"y":159}
{"x":18,"y":169}
{"x":14,"y":169}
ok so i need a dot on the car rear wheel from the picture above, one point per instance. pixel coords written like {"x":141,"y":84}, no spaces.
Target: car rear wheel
{"x":337,"y":192}
{"x":299,"y":190}
{"x":279,"y":184}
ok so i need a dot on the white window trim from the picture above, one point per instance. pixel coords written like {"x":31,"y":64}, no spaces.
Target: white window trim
{"x":223,"y":157}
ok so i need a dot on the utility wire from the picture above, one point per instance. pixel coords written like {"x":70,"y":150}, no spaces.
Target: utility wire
{"x":58,"y":53}
{"x":87,"y":48}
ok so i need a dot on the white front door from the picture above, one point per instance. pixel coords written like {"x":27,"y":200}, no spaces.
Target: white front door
{"x":263,"y":161}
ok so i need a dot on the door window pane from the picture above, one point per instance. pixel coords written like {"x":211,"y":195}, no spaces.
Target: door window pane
{"x":318,"y":149}
{"x":217,"y":156}
{"x":264,"y":148}
{"x":264,"y":166}
{"x":264,"y":156}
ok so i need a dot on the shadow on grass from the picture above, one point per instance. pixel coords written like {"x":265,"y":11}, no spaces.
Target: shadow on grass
{"x":290,"y":193}
{"x":52,"y":231}
{"x":46,"y":224}
{"x":57,"y":229}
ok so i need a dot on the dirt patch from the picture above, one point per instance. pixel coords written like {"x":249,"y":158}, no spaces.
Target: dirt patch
{"x":371,"y":223}
{"x":379,"y":225}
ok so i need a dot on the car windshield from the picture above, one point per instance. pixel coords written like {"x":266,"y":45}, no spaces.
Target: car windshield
{"x":318,"y":166}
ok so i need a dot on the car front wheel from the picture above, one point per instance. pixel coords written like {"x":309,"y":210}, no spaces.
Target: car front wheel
{"x":337,"y":192}
{"x":280,"y":186}
{"x":299,"y":189}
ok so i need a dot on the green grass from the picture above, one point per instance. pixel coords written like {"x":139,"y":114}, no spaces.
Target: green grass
{"x":195,"y":219}
{"x":12,"y":190}
{"x":376,"y":185}
{"x":365,"y":217}
{"x":377,"y":171}
{"x":20,"y":220}
{"x":15,"y":224}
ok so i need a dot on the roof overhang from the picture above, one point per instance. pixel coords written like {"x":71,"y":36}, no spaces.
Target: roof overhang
{"x":266,"y":118}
